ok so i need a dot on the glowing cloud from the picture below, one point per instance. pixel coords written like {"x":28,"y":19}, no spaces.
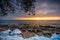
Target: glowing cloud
{"x":39,"y":18}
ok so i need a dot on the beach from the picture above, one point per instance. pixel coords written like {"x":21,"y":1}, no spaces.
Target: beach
{"x":28,"y":31}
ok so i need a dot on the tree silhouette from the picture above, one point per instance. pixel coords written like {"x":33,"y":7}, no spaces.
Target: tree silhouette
{"x":6,"y":6}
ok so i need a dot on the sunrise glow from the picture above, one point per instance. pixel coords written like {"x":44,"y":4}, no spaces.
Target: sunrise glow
{"x":39,"y":18}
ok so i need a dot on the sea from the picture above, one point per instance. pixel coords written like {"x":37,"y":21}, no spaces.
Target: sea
{"x":32,"y":22}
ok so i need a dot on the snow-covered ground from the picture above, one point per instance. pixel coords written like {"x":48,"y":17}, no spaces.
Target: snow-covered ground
{"x":13,"y":35}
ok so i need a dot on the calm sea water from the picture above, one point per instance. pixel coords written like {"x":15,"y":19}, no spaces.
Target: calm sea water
{"x":34,"y":22}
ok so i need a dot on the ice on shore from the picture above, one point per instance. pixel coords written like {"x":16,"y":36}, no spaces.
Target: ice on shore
{"x":38,"y":38}
{"x":55,"y":36}
{"x":16,"y":37}
{"x":15,"y":32}
{"x":6,"y":32}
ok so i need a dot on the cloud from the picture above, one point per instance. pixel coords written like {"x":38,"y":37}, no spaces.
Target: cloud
{"x":46,"y":8}
{"x":50,"y":1}
{"x":42,"y":8}
{"x":45,"y":12}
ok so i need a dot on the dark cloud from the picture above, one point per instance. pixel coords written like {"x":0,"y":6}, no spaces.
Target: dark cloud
{"x":54,"y":1}
{"x":50,"y":1}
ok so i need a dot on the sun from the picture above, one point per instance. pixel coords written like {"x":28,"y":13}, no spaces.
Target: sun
{"x":37,"y":18}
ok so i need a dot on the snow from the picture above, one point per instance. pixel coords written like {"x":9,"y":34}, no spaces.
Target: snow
{"x":18,"y":37}
{"x":16,"y":31}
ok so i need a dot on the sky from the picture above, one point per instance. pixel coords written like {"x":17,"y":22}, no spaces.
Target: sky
{"x":43,"y":8}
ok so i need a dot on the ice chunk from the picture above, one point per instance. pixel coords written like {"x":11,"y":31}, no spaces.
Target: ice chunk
{"x":38,"y":38}
{"x":55,"y":36}
{"x":6,"y":32}
{"x":15,"y":32}
{"x":15,"y":37}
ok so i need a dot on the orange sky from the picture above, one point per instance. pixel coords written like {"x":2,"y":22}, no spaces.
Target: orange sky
{"x":38,"y":18}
